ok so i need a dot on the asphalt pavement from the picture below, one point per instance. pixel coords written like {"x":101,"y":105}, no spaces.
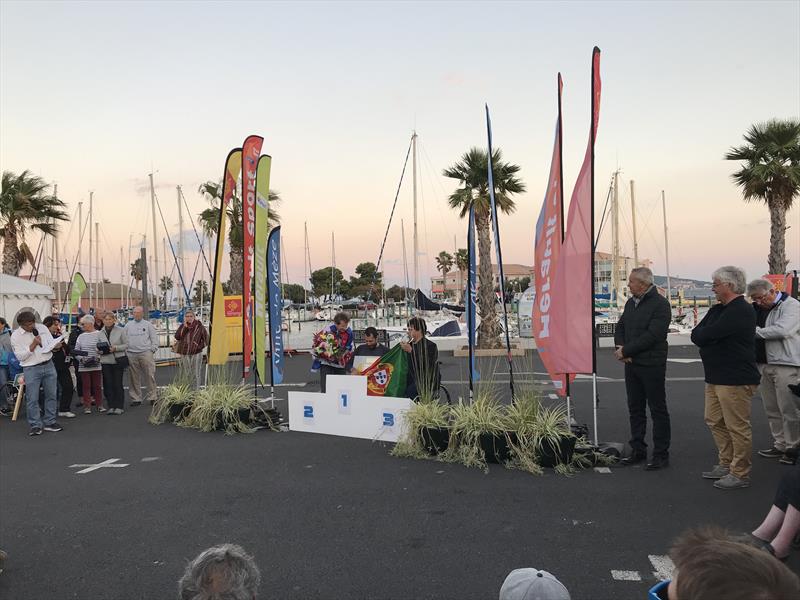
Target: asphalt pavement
{"x":329,"y":517}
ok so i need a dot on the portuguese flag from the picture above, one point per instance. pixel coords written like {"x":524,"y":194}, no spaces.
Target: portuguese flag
{"x":387,"y":375}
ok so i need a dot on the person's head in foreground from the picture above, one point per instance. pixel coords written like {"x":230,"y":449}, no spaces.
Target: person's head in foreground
{"x":532,"y":584}
{"x":224,"y":572}
{"x":371,"y":337}
{"x":416,"y":328}
{"x":709,"y":566}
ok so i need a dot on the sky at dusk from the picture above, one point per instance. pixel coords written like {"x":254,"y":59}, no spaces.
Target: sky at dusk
{"x":95,"y":95}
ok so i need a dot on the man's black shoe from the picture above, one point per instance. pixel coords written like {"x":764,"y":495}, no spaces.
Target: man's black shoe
{"x":656,"y":464}
{"x":35,"y":431}
{"x":633,"y":459}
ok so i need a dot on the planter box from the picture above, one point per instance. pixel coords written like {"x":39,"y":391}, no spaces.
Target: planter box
{"x":516,"y":350}
{"x":562,"y":453}
{"x":495,"y":447}
{"x":177,"y":412}
{"x":244,"y":417}
{"x":435,"y":439}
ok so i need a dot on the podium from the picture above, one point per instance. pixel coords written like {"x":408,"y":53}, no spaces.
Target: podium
{"x":346,"y":410}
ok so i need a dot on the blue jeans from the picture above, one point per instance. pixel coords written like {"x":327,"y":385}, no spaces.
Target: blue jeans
{"x":42,"y":375}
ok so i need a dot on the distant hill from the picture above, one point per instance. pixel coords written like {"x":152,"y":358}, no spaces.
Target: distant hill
{"x":661,"y":280}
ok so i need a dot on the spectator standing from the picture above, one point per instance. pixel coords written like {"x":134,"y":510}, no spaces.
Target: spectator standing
{"x":782,"y":523}
{"x":5,"y":351}
{"x":778,"y":358}
{"x":87,"y":352}
{"x":727,"y":349}
{"x":224,"y":571}
{"x":66,"y":390}
{"x":641,"y":343}
{"x":190,"y":341}
{"x":113,"y":360}
{"x":28,"y":343}
{"x":142,"y":346}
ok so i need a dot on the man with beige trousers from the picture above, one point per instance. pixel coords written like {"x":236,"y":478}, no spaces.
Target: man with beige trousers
{"x":726,"y":338}
{"x":142,"y":346}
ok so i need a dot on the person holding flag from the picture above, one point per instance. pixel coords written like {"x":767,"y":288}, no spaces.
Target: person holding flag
{"x":423,"y":373}
{"x":370,"y":347}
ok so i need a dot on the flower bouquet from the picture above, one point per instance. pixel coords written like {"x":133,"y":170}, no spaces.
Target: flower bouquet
{"x":328,"y":347}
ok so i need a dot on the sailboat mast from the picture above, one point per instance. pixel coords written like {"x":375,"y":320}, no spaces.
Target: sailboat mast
{"x":333,"y":263}
{"x":97,"y":271}
{"x":156,"y":279}
{"x":121,"y":278}
{"x":416,"y":242}
{"x":635,"y":238}
{"x":305,"y":267}
{"x":405,"y":260}
{"x":181,"y":262}
{"x":91,"y":198}
{"x":666,"y":246}
{"x":615,"y":240}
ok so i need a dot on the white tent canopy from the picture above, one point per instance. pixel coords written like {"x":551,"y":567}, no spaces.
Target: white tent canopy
{"x":17,"y":295}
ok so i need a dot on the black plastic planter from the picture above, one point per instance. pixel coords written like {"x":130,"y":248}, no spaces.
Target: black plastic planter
{"x":435,"y":439}
{"x":560,"y":452}
{"x":495,"y":447}
{"x":179,"y":411}
{"x":243,"y":414}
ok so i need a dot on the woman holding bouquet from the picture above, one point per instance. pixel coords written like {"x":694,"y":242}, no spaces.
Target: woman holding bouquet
{"x":332,"y":349}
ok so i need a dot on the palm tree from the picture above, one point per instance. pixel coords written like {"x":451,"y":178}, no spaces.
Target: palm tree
{"x":209,"y":221}
{"x":443,"y":263}
{"x":462,"y":264}
{"x":165,"y":285}
{"x":137,"y":272}
{"x":25,"y":205}
{"x":771,"y":174}
{"x":472,"y":173}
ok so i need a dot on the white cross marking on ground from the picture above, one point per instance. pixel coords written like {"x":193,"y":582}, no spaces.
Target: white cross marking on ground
{"x":685,"y":361}
{"x":111,"y":462}
{"x":604,"y":470}
{"x":626,"y":575}
{"x":553,"y":396}
{"x":663,"y":566}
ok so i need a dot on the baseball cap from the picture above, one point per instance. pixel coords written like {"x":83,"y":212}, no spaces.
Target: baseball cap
{"x":532,"y":584}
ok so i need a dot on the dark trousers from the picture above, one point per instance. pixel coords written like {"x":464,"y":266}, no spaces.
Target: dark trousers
{"x":66,"y":389}
{"x":788,"y":493}
{"x":112,"y":385}
{"x":324,"y":371}
{"x":646,"y":386}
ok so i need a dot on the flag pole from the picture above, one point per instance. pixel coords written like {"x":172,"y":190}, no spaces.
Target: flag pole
{"x":560,"y":84}
{"x":595,"y":55}
{"x":499,"y":255}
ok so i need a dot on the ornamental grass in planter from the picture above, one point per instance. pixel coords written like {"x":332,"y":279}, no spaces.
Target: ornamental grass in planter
{"x":221,"y":406}
{"x":523,"y":416}
{"x":427,"y":430}
{"x":481,"y":431}
{"x":553,"y":440}
{"x":173,"y":404}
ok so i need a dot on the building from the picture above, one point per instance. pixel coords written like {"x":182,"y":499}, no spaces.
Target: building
{"x":105,"y":296}
{"x":454,"y":282}
{"x":603,"y":265}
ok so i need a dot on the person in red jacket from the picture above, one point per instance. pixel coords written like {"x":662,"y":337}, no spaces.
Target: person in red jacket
{"x":190,"y":341}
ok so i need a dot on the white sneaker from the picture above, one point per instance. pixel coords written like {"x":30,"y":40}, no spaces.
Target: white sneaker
{"x":120,"y":411}
{"x":101,"y":409}
{"x":87,"y":411}
{"x":67,"y":414}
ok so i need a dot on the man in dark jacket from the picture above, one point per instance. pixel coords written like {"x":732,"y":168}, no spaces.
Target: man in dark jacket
{"x":641,"y":343}
{"x":423,"y":376}
{"x":726,"y":340}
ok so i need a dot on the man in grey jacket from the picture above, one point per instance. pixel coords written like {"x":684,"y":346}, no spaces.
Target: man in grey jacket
{"x":142,"y":346}
{"x":778,"y":358}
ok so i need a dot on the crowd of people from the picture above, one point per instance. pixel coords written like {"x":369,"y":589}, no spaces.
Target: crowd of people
{"x":709,"y":565}
{"x":90,"y":360}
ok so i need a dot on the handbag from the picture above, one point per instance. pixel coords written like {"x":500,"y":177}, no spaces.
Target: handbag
{"x":123,"y":361}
